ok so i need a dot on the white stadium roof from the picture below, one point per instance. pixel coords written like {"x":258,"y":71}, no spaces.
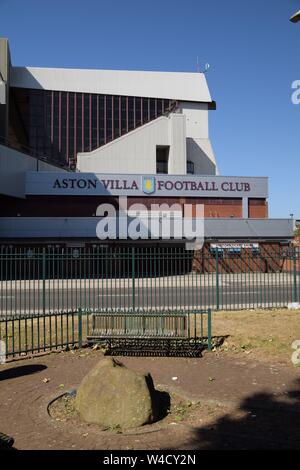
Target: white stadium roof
{"x":170,"y":85}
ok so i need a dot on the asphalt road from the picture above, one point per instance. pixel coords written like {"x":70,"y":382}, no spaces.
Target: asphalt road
{"x":29,"y":300}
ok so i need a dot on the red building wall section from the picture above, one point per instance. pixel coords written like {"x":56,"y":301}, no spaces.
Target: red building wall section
{"x":86,"y":206}
{"x":272,"y":257}
{"x":258,"y":208}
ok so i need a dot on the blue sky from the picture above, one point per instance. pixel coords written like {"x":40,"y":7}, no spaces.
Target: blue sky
{"x":252,"y":48}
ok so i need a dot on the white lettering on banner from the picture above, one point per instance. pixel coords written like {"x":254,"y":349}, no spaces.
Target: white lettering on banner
{"x":229,"y":246}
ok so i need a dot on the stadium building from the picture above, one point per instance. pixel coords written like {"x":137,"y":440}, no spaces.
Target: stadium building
{"x":71,"y":140}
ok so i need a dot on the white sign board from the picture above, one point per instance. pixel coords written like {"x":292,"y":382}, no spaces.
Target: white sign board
{"x":92,"y":184}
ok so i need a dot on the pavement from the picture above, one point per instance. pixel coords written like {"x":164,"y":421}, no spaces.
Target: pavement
{"x":245,"y":403}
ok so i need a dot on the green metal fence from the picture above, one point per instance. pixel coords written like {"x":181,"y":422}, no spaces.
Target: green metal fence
{"x":38,"y":333}
{"x":44,"y":292}
{"x":44,"y":281}
{"x":167,"y":331}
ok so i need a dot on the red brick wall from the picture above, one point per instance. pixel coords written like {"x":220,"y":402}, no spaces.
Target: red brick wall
{"x":270,"y":258}
{"x":289,"y":264}
{"x":258,"y":209}
{"x":86,"y":206}
{"x":233,"y":209}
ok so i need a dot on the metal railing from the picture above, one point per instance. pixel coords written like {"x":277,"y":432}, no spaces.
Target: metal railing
{"x":126,"y":330}
{"x":48,"y":296}
{"x":41,"y":281}
{"x":39,"y":333}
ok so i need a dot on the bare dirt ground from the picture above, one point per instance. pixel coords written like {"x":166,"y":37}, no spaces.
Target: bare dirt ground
{"x":243,"y":395}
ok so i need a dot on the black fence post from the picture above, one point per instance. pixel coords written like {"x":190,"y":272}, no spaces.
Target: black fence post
{"x":209,"y":330}
{"x":217,"y":280}
{"x":79,"y":328}
{"x":44,"y":281}
{"x":133,"y":276}
{"x":295,"y":293}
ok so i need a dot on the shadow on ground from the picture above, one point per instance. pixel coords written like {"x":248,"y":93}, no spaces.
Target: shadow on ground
{"x":156,"y":347}
{"x":218,"y":341}
{"x":161,"y":401}
{"x":269,"y":422}
{"x":20,"y":371}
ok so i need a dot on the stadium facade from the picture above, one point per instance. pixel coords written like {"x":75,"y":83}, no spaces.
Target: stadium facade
{"x":71,"y":140}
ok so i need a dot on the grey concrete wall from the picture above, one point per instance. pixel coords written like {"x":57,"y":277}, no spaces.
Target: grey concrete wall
{"x":177,"y":157}
{"x":77,"y":227}
{"x":13,"y":167}
{"x":134,"y":152}
{"x":4,"y":83}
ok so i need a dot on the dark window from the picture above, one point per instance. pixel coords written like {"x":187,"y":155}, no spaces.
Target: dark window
{"x":56,"y":124}
{"x":109,"y":114}
{"x":63,"y":127}
{"x":94,"y":124}
{"x":102,"y":120}
{"x":116,"y":121}
{"x":190,"y":168}
{"x":131,"y":113}
{"x":162,"y":159}
{"x":153,"y":108}
{"x":159,"y":107}
{"x":146,"y":110}
{"x":166,"y":105}
{"x":138,"y":120}
{"x":78,"y":125}
{"x":59,"y":124}
{"x":71,"y":154}
{"x":124,"y":115}
{"x":86,"y":122}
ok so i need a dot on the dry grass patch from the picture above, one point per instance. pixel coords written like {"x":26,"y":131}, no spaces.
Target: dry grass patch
{"x":264,"y":333}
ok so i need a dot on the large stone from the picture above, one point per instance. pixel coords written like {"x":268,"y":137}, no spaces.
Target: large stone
{"x":112,"y":396}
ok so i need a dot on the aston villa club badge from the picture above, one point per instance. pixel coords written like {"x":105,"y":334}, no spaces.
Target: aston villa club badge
{"x":148,"y":184}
